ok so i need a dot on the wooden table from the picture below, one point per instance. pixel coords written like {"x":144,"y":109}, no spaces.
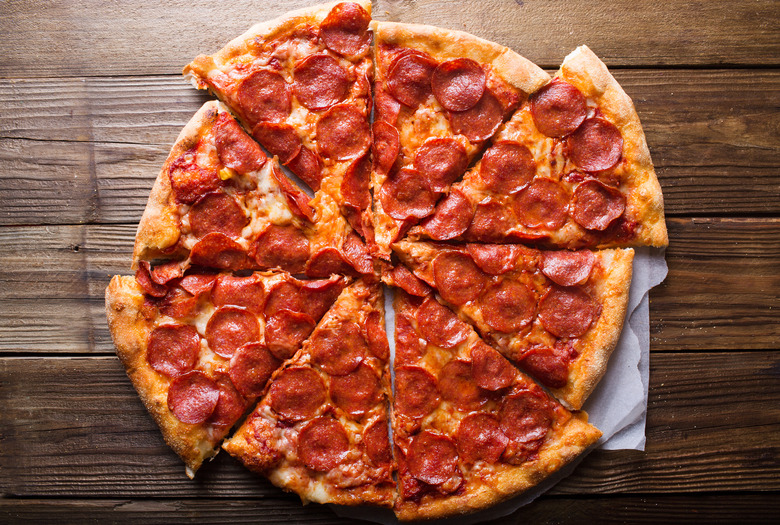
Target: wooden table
{"x":90,"y":101}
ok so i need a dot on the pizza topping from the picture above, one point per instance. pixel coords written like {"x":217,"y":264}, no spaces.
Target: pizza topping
{"x":508,"y":306}
{"x":441,"y":161}
{"x":143,"y":277}
{"x":495,"y":259}
{"x":229,"y":328}
{"x":408,"y":282}
{"x":230,"y":405}
{"x":251,"y":367}
{"x":297,"y":393}
{"x":217,"y":250}
{"x":198,"y":283}
{"x":491,"y":222}
{"x":326,"y":262}
{"x":597,"y":145}
{"x":343,"y":133}
{"x":163,"y":273}
{"x":285,"y":331}
{"x":458,"y":84}
{"x":323,"y":444}
{"x":299,"y":201}
{"x":357,"y":392}
{"x":567,"y":312}
{"x":356,"y":253}
{"x":568,"y":268}
{"x":345,"y":29}
{"x":377,"y":443}
{"x":432,"y":458}
{"x":173,"y":349}
{"x":490,"y":369}
{"x":217,"y":212}
{"x":309,"y":297}
{"x":549,"y":365}
{"x":416,"y":394}
{"x":408,"y":346}
{"x":178,"y":304}
{"x":279,"y":139}
{"x":338,"y":350}
{"x":354,"y":185}
{"x":320,"y":82}
{"x":264,"y":96}
{"x":457,"y":278}
{"x":235,"y":149}
{"x":239,"y":291}
{"x":542,"y":204}
{"x":387,"y":145}
{"x":525,"y":416}
{"x":306,"y":165}
{"x":456,"y":384}
{"x":192,"y":397}
{"x":284,"y":247}
{"x":479,"y":122}
{"x":595,"y":205}
{"x":409,"y":77}
{"x":406,"y":194}
{"x":480,"y":437}
{"x":386,"y":108}
{"x":377,"y":337}
{"x":439,"y":325}
{"x":189,"y":181}
{"x":558,"y":108}
{"x":452,"y":217}
{"x":507,"y":167}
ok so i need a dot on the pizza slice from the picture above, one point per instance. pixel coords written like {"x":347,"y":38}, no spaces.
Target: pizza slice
{"x":570,"y":169}
{"x":469,"y":429}
{"x":321,"y":431}
{"x":439,"y":96}
{"x":302,"y":84}
{"x":201,"y":348}
{"x":557,"y":314}
{"x":220,"y":202}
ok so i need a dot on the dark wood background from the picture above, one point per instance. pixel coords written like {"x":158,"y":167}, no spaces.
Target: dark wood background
{"x":91,"y":100}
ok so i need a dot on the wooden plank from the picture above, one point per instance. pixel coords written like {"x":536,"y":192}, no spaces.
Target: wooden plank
{"x":94,"y":38}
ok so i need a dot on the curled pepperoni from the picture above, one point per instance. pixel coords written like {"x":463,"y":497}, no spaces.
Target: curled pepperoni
{"x":326,"y":262}
{"x":439,"y":325}
{"x":452,"y":217}
{"x":457,"y":385}
{"x":377,"y":443}
{"x":542,"y":205}
{"x":239,"y":291}
{"x":284,"y":295}
{"x":432,"y":458}
{"x":568,"y":268}
{"x":567,"y":312}
{"x":479,"y":122}
{"x":458,"y":84}
{"x":595,"y":205}
{"x":491,"y":222}
{"x":192,"y":397}
{"x":507,"y":167}
{"x":508,"y":306}
{"x":495,"y":259}
{"x":284,"y":247}
{"x":549,"y":365}
{"x":143,"y":277}
{"x":357,"y":392}
{"x":285,"y":331}
{"x":376,"y":336}
{"x":306,"y":165}
{"x":279,"y":139}
{"x":234,"y":147}
{"x":525,"y":416}
{"x":345,"y":29}
{"x":230,"y":328}
{"x":343,"y":133}
{"x":230,"y":405}
{"x":490,"y":369}
{"x":409,"y":78}
{"x":597,"y":145}
{"x":320,"y":82}
{"x":406,"y":194}
{"x":457,"y":278}
{"x":198,"y":283}
{"x":408,"y":282}
{"x":354,"y":185}
{"x":338,"y":350}
{"x":387,"y":145}
{"x":173,"y":349}
{"x":408,"y":346}
{"x":251,"y":367}
{"x":480,"y":437}
{"x":189,"y":181}
{"x":313,"y":298}
{"x":298,"y":201}
{"x":217,"y":250}
{"x":163,"y":273}
{"x":323,"y":444}
{"x":297,"y":393}
{"x":558,"y":108}
{"x":264,"y":96}
{"x":357,"y":255}
{"x":217,"y":212}
{"x":179,"y":304}
{"x":441,"y":161}
{"x":416,"y":394}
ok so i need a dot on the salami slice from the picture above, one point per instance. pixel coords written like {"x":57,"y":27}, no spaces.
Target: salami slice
{"x":439,"y":325}
{"x":490,"y":369}
{"x":279,"y":139}
{"x":239,"y":291}
{"x":163,"y":273}
{"x":508,"y":306}
{"x":217,"y":212}
{"x":376,"y":336}
{"x":326,"y":262}
{"x":387,"y":145}
{"x":284,"y":247}
{"x":495,"y":259}
{"x":568,"y":268}
{"x":567,"y":312}
{"x":307,"y":166}
{"x":179,"y":304}
{"x":234,"y":147}
{"x":543,"y":204}
{"x":550,"y":366}
{"x":338,"y":350}
{"x":457,"y":278}
{"x":345,"y":29}
{"x":285,"y":331}
{"x":143,"y":277}
{"x":297,"y":393}
{"x":491,"y":222}
{"x":354,"y":185}
{"x":217,"y":250}
{"x":264,"y":96}
{"x":525,"y":416}
{"x":595,"y":205}
{"x":409,"y":78}
{"x":251,"y":367}
{"x":416,"y":394}
{"x":189,"y":181}
{"x":173,"y":349}
{"x":441,"y":161}
{"x":320,"y":82}
{"x":558,"y":108}
{"x":507,"y":167}
{"x":406,"y":194}
{"x":192,"y":397}
{"x":198,"y":283}
{"x":377,"y":443}
{"x":230,"y":405}
{"x":452,"y":217}
{"x":458,"y":84}
{"x":479,"y":122}
{"x":597,"y":145}
{"x":356,"y":253}
{"x":343,"y":133}
{"x":408,"y":346}
{"x":230,"y":328}
{"x":323,"y":444}
{"x":408,"y":282}
{"x":480,"y":438}
{"x":357,"y":392}
{"x":457,"y":385}
{"x":432,"y":458}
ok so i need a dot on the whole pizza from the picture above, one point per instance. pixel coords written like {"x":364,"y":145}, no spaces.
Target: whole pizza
{"x":346,"y":158}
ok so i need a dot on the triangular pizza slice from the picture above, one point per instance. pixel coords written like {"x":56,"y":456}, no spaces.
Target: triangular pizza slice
{"x":321,"y":431}
{"x":201,"y":348}
{"x":439,"y":96}
{"x":469,"y":429}
{"x":570,"y":169}
{"x":557,"y":314}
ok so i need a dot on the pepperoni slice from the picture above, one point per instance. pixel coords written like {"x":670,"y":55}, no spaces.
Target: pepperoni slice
{"x":439,"y":325}
{"x":251,"y":367}
{"x":406,"y":194}
{"x":409,"y":78}
{"x":306,"y":165}
{"x":217,"y":212}
{"x":595,"y":205}
{"x":481,"y":121}
{"x":458,"y":84}
{"x":173,"y":349}
{"x":416,"y":394}
{"x":377,"y":337}
{"x":491,"y":222}
{"x":230,"y":405}
{"x":230,"y":328}
{"x":162,"y":273}
{"x":198,"y":283}
{"x":284,"y":247}
{"x":480,"y":438}
{"x":567,"y":312}
{"x":597,"y":145}
{"x":408,"y":282}
{"x":408,"y":346}
{"x":323,"y":444}
{"x":310,"y":297}
{"x":343,"y":133}
{"x":279,"y":139}
{"x":568,"y":268}
{"x":239,"y":291}
{"x":495,"y":259}
{"x":507,"y":167}
{"x":320,"y":82}
{"x":457,"y":278}
{"x":457,"y":385}
{"x":549,"y":365}
{"x":386,"y":108}
{"x":452,"y":217}
{"x":490,"y":369}
{"x":264,"y":96}
{"x":143,"y":277}
{"x":189,"y":181}
{"x":354,"y":185}
{"x":432,"y":458}
{"x":558,"y":108}
{"x":525,"y":416}
{"x":285,"y":331}
{"x":441,"y":161}
{"x":234,"y":147}
{"x":345,"y":29}
{"x":508,"y":306}
{"x":179,"y":304}
{"x":327,"y":262}
{"x":192,"y":397}
{"x":542,"y":205}
{"x":338,"y":350}
{"x":377,"y":443}
{"x":217,"y":250}
{"x":357,"y":392}
{"x":357,"y":255}
{"x":387,"y":145}
{"x":297,"y":393}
